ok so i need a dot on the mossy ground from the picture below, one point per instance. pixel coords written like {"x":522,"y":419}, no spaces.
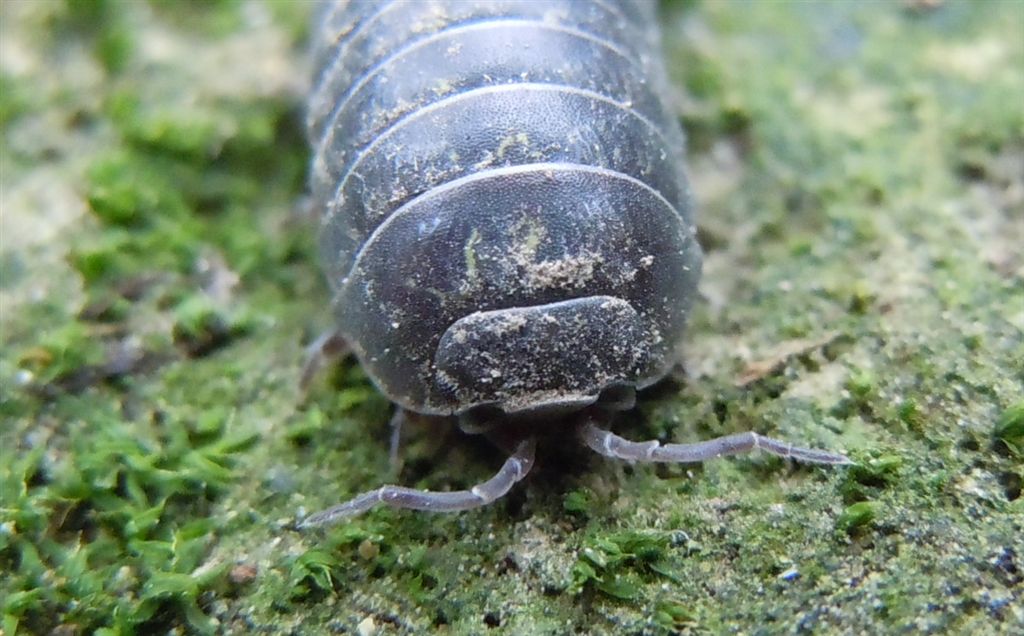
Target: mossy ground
{"x":860,"y":172}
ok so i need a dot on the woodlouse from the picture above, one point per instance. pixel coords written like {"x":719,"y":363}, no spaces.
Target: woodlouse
{"x":505,"y":223}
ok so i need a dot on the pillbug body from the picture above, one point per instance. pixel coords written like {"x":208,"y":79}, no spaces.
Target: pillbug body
{"x":504,"y":220}
{"x":497,"y":178}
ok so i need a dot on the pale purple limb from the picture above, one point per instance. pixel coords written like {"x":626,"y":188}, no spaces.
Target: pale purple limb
{"x":398,"y":420}
{"x":329,"y":345}
{"x":515,"y":468}
{"x":611,"y":445}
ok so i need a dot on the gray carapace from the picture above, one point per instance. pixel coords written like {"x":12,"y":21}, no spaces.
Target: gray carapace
{"x":504,"y":221}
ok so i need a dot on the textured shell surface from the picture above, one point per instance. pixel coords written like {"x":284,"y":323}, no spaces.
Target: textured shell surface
{"x":504,"y":218}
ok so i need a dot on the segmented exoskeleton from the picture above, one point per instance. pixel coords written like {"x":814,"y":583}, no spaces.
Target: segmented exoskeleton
{"x":504,"y":219}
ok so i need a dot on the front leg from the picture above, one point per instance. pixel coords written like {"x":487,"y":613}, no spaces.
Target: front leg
{"x":515,"y":468}
{"x":328,"y":346}
{"x":609,"y":444}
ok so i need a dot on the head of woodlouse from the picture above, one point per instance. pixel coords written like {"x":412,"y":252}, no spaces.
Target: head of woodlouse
{"x":548,"y":359}
{"x":522,"y":289}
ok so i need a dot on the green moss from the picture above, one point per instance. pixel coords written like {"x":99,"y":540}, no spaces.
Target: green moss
{"x":675,"y":617}
{"x":857,"y":516}
{"x":910,"y":414}
{"x":114,"y":524}
{"x":1010,"y":426}
{"x":313,"y":573}
{"x":616,"y":564}
{"x":184,"y":182}
{"x":102,"y":23}
{"x":866,"y":479}
{"x":578,"y":502}
{"x":61,"y":353}
{"x":195,"y":136}
{"x":861,"y":384}
{"x":114,"y":48}
{"x":123,"y":192}
{"x":855,"y":165}
{"x":15,"y":99}
{"x":88,"y":13}
{"x":200,"y":326}
{"x":116,"y":519}
{"x":214,"y":18}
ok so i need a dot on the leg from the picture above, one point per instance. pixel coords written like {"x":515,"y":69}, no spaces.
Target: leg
{"x":397,"y":421}
{"x":611,"y":445}
{"x":515,"y":468}
{"x":328,"y":346}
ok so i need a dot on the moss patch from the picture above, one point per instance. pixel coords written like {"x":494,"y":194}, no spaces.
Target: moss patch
{"x":858,"y":172}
